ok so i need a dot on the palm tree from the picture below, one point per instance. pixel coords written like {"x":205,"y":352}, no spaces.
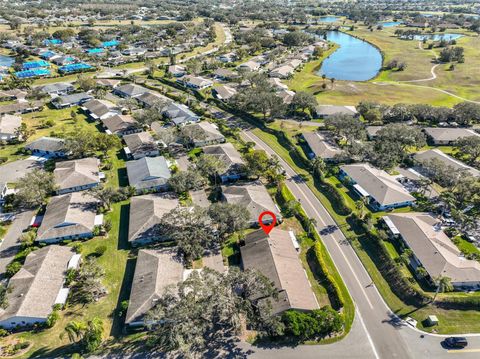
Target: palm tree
{"x":421,"y":272}
{"x":75,"y":330}
{"x":444,"y":284}
{"x":332,"y":80}
{"x":360,"y":205}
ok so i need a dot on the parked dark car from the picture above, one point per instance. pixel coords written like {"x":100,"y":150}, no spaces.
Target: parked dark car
{"x":456,"y":342}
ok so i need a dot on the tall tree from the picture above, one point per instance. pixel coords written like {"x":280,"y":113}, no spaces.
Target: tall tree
{"x":33,"y":189}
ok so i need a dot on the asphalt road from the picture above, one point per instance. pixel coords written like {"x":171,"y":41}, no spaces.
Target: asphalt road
{"x":10,"y":244}
{"x":387,"y":336}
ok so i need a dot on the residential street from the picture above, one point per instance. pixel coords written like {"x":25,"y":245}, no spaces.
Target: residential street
{"x":10,"y":245}
{"x":387,"y":335}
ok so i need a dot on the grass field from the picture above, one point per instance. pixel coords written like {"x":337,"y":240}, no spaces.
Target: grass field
{"x":387,"y":86}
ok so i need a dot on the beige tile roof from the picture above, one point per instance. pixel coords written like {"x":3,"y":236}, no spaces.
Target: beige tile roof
{"x":154,"y":272}
{"x":275,"y":257}
{"x":437,"y":253}
{"x":34,"y":288}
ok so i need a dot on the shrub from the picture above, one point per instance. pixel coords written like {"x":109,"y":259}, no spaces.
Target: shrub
{"x":100,"y":250}
{"x":52,"y":319}
{"x":310,"y":325}
{"x":13,"y":268}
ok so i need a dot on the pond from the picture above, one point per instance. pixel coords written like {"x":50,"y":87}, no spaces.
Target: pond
{"x":437,"y":37}
{"x":390,"y":23}
{"x":328,"y":18}
{"x":355,"y":60}
{"x":6,"y":61}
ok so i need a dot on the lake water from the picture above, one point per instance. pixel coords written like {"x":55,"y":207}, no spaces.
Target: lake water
{"x":328,"y":18}
{"x":438,"y":37}
{"x":355,"y":60}
{"x":390,"y":23}
{"x":6,"y":60}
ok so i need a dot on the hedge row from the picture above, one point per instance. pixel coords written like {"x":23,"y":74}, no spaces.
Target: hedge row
{"x":283,"y":196}
{"x":337,"y":200}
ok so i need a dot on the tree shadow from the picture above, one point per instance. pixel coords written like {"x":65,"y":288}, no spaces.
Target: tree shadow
{"x":122,"y":177}
{"x":119,"y":317}
{"x":123,"y":227}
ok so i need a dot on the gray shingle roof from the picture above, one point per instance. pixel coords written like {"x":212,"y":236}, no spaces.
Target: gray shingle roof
{"x":254,"y":196}
{"x":68,"y":215}
{"x":120,"y":123}
{"x":437,"y":253}
{"x":442,"y":134}
{"x":131,"y":90}
{"x":34,"y":288}
{"x":75,"y":173}
{"x":154,"y":272}
{"x":378,"y":183}
{"x":51,"y":144}
{"x":321,"y":146}
{"x":447,"y":160}
{"x":227,"y":154}
{"x":140,"y":142}
{"x":148,"y":172}
{"x":74,"y":98}
{"x":146,"y":211}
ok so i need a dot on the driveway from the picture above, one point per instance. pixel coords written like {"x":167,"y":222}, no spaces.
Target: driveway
{"x":10,"y":244}
{"x":13,"y":171}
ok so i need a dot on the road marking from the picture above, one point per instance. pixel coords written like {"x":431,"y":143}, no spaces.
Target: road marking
{"x":258,"y":142}
{"x":460,"y":351}
{"x":368,"y":335}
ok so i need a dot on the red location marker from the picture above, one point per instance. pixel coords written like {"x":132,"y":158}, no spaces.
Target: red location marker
{"x":267,"y":227}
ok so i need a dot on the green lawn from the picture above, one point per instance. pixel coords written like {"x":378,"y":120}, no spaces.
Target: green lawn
{"x":386,"y":88}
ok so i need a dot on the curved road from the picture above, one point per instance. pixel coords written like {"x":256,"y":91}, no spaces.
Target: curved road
{"x":385,"y":334}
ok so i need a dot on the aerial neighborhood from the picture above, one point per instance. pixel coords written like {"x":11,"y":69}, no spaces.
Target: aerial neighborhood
{"x":205,"y":179}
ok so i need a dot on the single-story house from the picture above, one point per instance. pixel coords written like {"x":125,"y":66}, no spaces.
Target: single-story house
{"x":277,"y":84}
{"x":148,"y":174}
{"x":177,"y":70}
{"x":224,"y":92}
{"x":382,"y":190}
{"x":146,"y":213}
{"x":69,"y":216}
{"x":8,"y":127}
{"x":321,"y":145}
{"x":155,"y":270}
{"x":326,"y":111}
{"x":38,"y":286}
{"x":448,"y":161}
{"x":58,"y":88}
{"x":180,"y":114}
{"x":140,"y":144}
{"x":74,"y":99}
{"x":231,"y":157}
{"x":208,"y":134}
{"x":433,"y":250}
{"x":447,"y":136}
{"x":121,"y":125}
{"x":21,"y":107}
{"x":134,"y":51}
{"x":282,"y":72}
{"x":63,"y":60}
{"x":100,"y":109}
{"x":48,"y":146}
{"x":150,"y":99}
{"x":225,"y":74}
{"x":77,"y":175}
{"x":129,"y":90}
{"x":14,"y":94}
{"x":249,"y":66}
{"x":195,"y":82}
{"x":110,"y":83}
{"x":255,"y":197}
{"x":274,"y":255}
